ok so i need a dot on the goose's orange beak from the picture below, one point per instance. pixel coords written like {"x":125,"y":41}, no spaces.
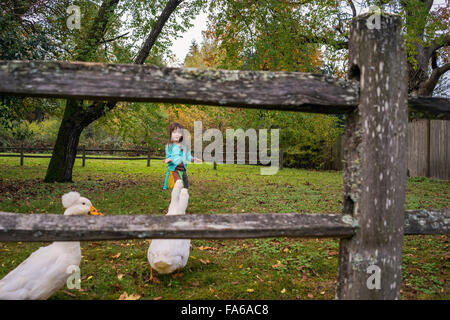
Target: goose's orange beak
{"x":94,"y":212}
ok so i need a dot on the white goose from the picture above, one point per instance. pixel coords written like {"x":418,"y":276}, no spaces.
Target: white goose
{"x":46,"y":270}
{"x":168,"y":255}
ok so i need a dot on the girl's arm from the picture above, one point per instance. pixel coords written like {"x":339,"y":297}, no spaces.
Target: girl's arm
{"x":193,"y":159}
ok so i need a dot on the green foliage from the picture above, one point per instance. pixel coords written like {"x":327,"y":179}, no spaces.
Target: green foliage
{"x":24,"y":36}
{"x":271,"y":34}
{"x":140,"y":124}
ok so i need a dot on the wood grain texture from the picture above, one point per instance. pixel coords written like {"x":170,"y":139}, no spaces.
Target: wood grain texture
{"x":57,"y":227}
{"x":429,"y":108}
{"x":52,"y":227}
{"x":375,"y":156}
{"x":291,"y":91}
{"x":124,"y":82}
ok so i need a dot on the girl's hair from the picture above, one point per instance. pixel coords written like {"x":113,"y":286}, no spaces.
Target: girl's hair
{"x":173,"y":126}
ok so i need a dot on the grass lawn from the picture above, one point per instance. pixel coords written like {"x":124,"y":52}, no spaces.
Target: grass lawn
{"x":271,"y":268}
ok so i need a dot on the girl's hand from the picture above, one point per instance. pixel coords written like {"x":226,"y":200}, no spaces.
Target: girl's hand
{"x":197,"y":160}
{"x":167,"y":160}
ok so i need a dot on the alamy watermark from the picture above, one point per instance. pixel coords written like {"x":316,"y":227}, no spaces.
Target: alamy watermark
{"x":74,"y":280}
{"x":374,"y":21}
{"x":374,"y":280}
{"x":74,"y":20}
{"x":257,"y":142}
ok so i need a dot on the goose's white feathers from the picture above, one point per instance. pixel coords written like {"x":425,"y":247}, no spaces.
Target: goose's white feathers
{"x":45,"y":271}
{"x":168,"y":255}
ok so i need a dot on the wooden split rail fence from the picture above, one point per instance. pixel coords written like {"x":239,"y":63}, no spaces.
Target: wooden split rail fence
{"x":373,"y":220}
{"x":22,"y":150}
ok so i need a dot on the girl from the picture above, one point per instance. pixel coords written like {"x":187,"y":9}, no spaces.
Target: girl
{"x":177,"y":157}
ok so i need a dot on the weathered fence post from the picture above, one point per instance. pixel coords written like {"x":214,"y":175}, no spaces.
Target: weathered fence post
{"x":21,"y":155}
{"x":84,"y":156}
{"x":148,"y":157}
{"x":215,"y":165}
{"x":375,"y":161}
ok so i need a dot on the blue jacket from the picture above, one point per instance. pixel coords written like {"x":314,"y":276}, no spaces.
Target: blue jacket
{"x":174,"y":153}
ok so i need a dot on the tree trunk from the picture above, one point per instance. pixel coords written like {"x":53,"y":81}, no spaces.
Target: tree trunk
{"x":64,"y":152}
{"x":76,"y":118}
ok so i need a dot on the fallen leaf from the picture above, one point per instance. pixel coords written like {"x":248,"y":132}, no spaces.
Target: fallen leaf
{"x":283,"y":291}
{"x":157,"y":298}
{"x":120,"y":276}
{"x":286,"y":249}
{"x":322,"y":292}
{"x":277,"y":265}
{"x":310,"y":296}
{"x":116,"y":256}
{"x":332,"y":253}
{"x":125,"y":296}
{"x":205,"y":261}
{"x":203,"y":248}
{"x":250,"y":290}
{"x":195,"y":284}
{"x":89,"y":278}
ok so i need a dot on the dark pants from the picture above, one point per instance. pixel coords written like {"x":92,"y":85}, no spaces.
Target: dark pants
{"x":184,"y":178}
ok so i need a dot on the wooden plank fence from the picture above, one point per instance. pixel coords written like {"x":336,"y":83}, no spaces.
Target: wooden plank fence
{"x":374,"y":98}
{"x":429,"y":149}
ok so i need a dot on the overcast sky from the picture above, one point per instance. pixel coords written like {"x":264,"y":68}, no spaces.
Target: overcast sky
{"x":180,"y":47}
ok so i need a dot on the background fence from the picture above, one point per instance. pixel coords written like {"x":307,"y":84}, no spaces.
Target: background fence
{"x":23,"y":152}
{"x":428,"y":149}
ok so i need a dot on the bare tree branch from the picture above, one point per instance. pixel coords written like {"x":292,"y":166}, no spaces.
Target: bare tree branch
{"x":151,"y":39}
{"x":437,"y":44}
{"x":97,"y":30}
{"x":98,"y":108}
{"x":426,"y":88}
{"x":115,"y":38}
{"x":350,"y":2}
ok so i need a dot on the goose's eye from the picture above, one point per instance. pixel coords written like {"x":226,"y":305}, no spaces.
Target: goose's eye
{"x":83,"y":203}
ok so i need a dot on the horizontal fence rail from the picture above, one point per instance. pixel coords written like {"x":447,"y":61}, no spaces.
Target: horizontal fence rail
{"x":57,"y":227}
{"x":128,"y":82}
{"x":290,"y":91}
{"x":21,"y":154}
{"x":429,"y":108}
{"x":83,"y":157}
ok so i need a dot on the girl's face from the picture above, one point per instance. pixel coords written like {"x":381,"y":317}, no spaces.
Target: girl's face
{"x":176,"y":135}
